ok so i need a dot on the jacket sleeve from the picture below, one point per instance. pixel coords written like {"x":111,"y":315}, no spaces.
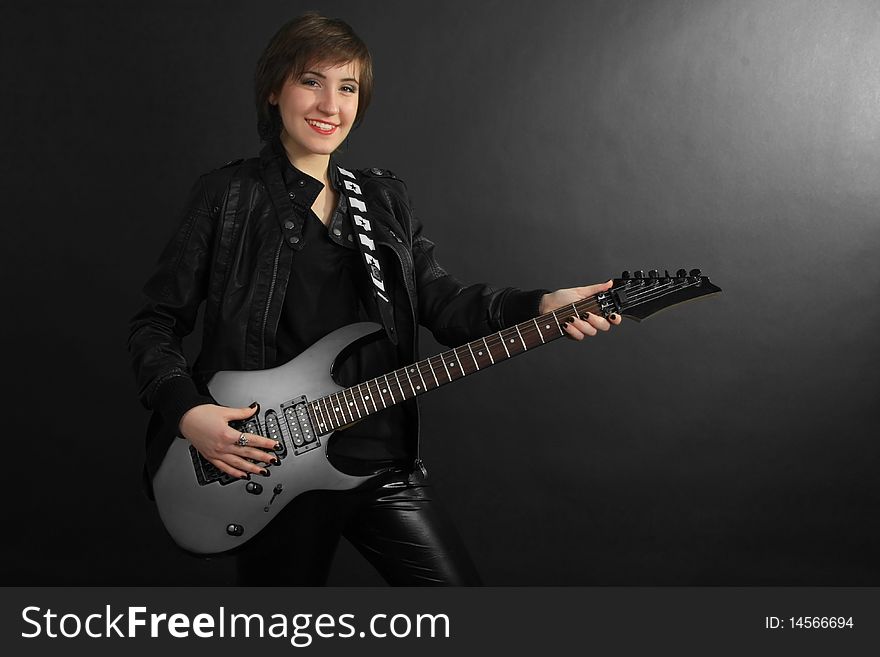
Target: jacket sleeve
{"x":171,"y":299}
{"x":456,"y":313}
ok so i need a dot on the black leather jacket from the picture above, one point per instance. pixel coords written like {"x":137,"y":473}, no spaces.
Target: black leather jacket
{"x":233,"y":250}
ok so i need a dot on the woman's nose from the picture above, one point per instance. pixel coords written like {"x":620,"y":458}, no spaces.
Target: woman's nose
{"x":328,"y":103}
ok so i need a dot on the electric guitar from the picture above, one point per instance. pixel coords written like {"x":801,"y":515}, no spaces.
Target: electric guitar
{"x":207,"y":511}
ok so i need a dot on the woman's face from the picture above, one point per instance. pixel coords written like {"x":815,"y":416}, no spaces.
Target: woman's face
{"x":317,"y":109}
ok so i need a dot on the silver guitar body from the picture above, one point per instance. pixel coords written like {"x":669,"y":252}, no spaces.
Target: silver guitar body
{"x":211,"y":517}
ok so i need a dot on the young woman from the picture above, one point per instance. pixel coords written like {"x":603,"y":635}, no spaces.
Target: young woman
{"x":270,"y":246}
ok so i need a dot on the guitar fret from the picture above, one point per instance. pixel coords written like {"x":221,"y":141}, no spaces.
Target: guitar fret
{"x":363,"y":401}
{"x":489,"y":350}
{"x":460,"y":367}
{"x":327,"y":409}
{"x":317,"y":423}
{"x":436,"y":380}
{"x":397,"y":378}
{"x":334,"y":403}
{"x":353,"y":402}
{"x":320,"y":421}
{"x":343,"y":407}
{"x":312,"y":417}
{"x":330,"y":423}
{"x":540,"y":335}
{"x":372,"y":397}
{"x":388,"y":386}
{"x":452,"y":364}
{"x":448,"y":375}
{"x":419,"y":370}
{"x":500,"y":335}
{"x":347,"y":406}
{"x":339,"y":408}
{"x":409,"y":380}
{"x":476,"y":364}
{"x":379,"y":392}
{"x":525,"y":348}
{"x":355,"y":395}
{"x":558,"y":325}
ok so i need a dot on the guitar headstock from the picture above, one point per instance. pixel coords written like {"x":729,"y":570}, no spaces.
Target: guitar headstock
{"x":639,"y":295}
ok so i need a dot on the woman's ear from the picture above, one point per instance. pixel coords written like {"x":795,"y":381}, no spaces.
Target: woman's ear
{"x":273,"y":98}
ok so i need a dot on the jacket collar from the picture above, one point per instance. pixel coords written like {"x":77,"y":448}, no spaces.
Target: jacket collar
{"x":293,"y":193}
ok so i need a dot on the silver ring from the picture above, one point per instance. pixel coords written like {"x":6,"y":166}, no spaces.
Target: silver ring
{"x":242,"y":441}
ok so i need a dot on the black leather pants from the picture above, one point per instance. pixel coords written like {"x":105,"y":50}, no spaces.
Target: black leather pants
{"x":395,"y":523}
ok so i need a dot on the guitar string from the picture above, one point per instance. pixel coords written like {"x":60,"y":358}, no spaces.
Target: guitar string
{"x":525,"y":330}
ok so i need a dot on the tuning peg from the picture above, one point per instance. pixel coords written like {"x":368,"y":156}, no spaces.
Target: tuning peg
{"x":695,"y":272}
{"x":625,"y":274}
{"x":654,"y":273}
{"x":639,"y":274}
{"x":681,"y":273}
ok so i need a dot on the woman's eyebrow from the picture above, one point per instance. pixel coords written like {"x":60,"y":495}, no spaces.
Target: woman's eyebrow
{"x":321,"y":75}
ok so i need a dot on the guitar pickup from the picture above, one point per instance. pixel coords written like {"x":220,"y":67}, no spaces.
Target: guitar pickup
{"x":273,"y":431}
{"x":252,"y":425}
{"x":302,"y":434}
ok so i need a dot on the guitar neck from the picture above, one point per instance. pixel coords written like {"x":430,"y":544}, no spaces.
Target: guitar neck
{"x":357,"y":402}
{"x":636,"y":298}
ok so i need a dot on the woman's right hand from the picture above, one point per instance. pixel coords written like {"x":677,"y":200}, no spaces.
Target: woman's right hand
{"x":207,"y":428}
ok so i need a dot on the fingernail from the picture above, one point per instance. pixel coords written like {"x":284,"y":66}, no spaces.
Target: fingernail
{"x":253,"y":405}
{"x":613,"y":317}
{"x":584,"y":317}
{"x":265,"y":473}
{"x":244,"y":477}
{"x":274,"y":461}
{"x":277,"y":447}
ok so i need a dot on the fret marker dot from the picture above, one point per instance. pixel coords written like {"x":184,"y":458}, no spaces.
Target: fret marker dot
{"x":451,"y":364}
{"x":418,"y":387}
{"x":548,"y":326}
{"x":479,"y":353}
{"x":384,"y":390}
{"x":367,"y":397}
{"x":351,"y":403}
{"x":336,"y":409}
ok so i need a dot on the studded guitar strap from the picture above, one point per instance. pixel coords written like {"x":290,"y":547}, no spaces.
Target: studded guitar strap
{"x":357,"y":209}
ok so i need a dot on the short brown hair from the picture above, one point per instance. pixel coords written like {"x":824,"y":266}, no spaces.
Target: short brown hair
{"x":300,"y":43}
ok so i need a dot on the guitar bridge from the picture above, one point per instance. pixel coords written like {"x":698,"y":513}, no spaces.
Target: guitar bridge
{"x":207,"y":472}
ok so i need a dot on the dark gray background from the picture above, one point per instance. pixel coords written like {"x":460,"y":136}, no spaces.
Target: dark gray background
{"x":545,"y":144}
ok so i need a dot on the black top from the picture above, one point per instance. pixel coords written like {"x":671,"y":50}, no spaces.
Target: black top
{"x":328,"y":289}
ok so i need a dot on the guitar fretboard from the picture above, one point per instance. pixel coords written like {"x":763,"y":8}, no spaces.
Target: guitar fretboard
{"x":352,"y":404}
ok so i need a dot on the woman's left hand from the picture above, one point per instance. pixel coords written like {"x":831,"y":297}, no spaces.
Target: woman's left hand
{"x":578,"y":328}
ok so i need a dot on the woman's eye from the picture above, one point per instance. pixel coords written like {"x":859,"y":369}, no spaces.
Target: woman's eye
{"x":310,"y":82}
{"x":349,"y":89}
